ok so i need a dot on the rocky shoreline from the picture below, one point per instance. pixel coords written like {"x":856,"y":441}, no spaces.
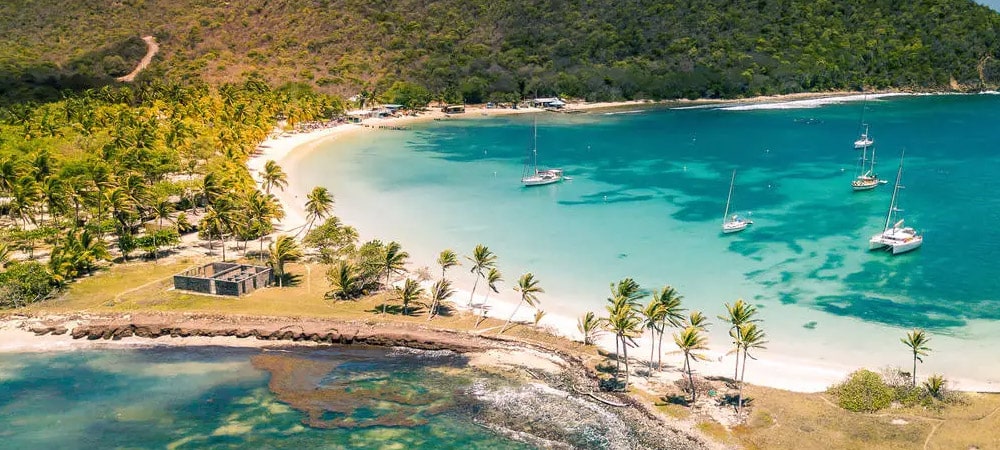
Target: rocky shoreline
{"x":556,"y":373}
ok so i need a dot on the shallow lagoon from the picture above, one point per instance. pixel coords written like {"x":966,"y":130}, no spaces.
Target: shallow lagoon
{"x":647,"y":197}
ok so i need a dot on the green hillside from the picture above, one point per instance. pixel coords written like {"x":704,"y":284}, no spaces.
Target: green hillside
{"x":494,"y":49}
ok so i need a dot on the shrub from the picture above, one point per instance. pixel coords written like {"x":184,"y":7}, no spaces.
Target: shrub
{"x":863,"y":391}
{"x":23,"y":283}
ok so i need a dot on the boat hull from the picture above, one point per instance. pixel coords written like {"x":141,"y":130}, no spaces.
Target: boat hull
{"x":896,"y":241}
{"x":856,"y":186}
{"x":735,"y":226}
{"x":543,"y":177}
{"x":533,"y":181}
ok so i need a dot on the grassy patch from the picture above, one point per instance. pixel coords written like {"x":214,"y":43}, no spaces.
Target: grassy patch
{"x":782,"y":419}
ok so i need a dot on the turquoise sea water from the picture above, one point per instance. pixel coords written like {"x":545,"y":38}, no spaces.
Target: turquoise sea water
{"x":220,"y":398}
{"x":647,"y":196}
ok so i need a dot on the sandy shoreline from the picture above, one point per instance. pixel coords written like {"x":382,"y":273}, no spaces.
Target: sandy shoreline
{"x":771,"y":370}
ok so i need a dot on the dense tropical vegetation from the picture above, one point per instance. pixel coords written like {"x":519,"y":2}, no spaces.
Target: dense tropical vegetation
{"x":104,"y":172}
{"x":412,"y":51}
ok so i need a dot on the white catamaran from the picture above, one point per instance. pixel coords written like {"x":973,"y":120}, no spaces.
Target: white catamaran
{"x":895,"y":238}
{"x":531,"y":175}
{"x":734,"y":223}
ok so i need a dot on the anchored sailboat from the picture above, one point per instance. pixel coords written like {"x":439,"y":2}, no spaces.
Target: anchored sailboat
{"x":865,"y":140}
{"x":531,"y":175}
{"x":735,"y":223}
{"x":896,"y":238}
{"x":866,"y":179}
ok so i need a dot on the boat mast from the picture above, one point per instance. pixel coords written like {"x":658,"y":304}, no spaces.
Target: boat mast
{"x":534,"y":145}
{"x":871,"y":167}
{"x":864,"y":158}
{"x":895,"y":190}
{"x":732,"y":183}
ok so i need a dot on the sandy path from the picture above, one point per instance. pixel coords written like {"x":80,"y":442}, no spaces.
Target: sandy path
{"x":151,"y":48}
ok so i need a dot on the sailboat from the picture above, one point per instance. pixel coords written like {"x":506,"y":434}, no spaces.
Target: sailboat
{"x":866,"y":179}
{"x":531,"y":175}
{"x":896,"y":238}
{"x":735,"y":223}
{"x":865,"y":140}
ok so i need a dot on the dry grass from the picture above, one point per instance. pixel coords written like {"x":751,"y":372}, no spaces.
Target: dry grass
{"x":782,"y":419}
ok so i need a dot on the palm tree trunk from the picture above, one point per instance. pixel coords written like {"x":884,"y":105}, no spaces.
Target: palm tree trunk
{"x":618,"y":359}
{"x":473,"y":293}
{"x":386,"y":288}
{"x":652,"y":348}
{"x":737,"y":368}
{"x":659,"y":356}
{"x":625,"y":351}
{"x":433,"y":310}
{"x":739,"y":404}
{"x":914,"y":376}
{"x":504,"y":327}
{"x":483,"y":308}
{"x":694,"y":394}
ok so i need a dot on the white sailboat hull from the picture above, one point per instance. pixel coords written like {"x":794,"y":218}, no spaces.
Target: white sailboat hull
{"x":862,"y":143}
{"x":896,"y":240}
{"x":735,"y":226}
{"x":543,"y":177}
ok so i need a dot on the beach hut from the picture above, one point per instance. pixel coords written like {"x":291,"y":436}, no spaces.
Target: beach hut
{"x":548,"y":102}
{"x":453,"y":109}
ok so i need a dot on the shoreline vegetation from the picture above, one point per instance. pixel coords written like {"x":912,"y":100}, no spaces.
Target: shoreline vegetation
{"x":188,"y":174}
{"x":124,"y":301}
{"x":108,"y":189}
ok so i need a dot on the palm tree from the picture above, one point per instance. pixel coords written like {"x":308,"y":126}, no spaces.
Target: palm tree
{"x":53,"y":194}
{"x":673,"y":314}
{"x":262,"y":210}
{"x":539,"y":314}
{"x":210,"y":189}
{"x":689,"y":341}
{"x":589,"y":326}
{"x":410,"y":292}
{"x":319,"y":205}
{"x":273,"y":177}
{"x":492,"y":278}
{"x":935,"y":386}
{"x":282,"y":250}
{"x":748,"y":336}
{"x":393,"y":261}
{"x":698,"y":320}
{"x":917,"y":341}
{"x":345,"y":281}
{"x":528,"y":286}
{"x":482,"y":258}
{"x":739,"y":313}
{"x":625,"y":322}
{"x":440,"y":291}
{"x":652,"y":316}
{"x":447,"y":259}
{"x":624,"y":299}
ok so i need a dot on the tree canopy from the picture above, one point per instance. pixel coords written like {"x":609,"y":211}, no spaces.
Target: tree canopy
{"x":479,"y":50}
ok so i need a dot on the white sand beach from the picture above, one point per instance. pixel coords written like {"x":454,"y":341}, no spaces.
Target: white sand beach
{"x":801,"y":374}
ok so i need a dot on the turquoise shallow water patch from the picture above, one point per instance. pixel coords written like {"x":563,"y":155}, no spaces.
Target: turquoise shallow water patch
{"x":647,"y":197}
{"x":220,"y":398}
